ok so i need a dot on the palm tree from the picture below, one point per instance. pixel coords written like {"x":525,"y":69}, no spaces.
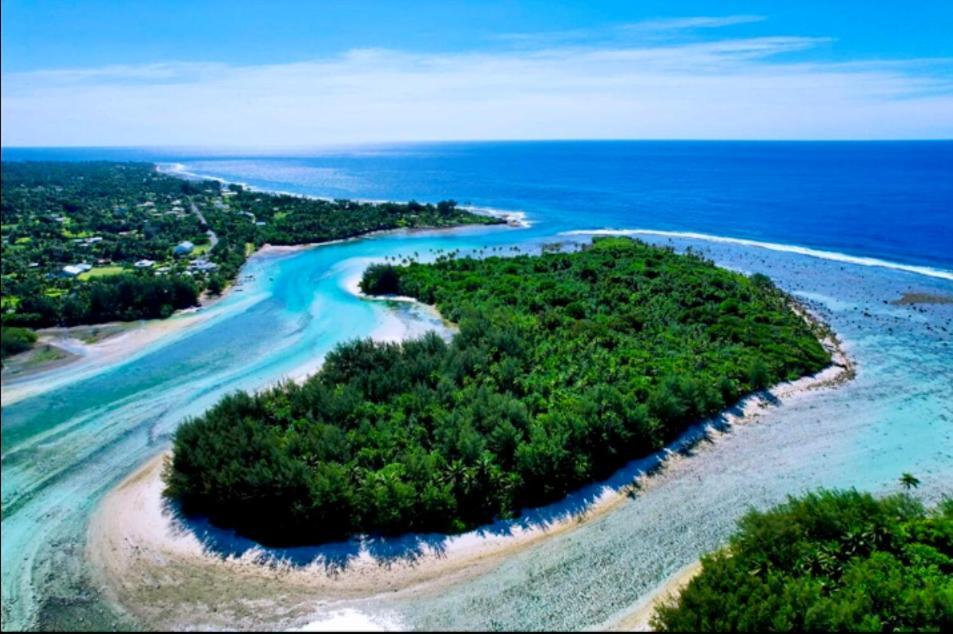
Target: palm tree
{"x":909,"y":481}
{"x":454,"y":473}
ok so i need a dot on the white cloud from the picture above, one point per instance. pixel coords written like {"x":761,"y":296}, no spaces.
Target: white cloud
{"x":699,"y":22}
{"x":726,"y":88}
{"x":644,"y":30}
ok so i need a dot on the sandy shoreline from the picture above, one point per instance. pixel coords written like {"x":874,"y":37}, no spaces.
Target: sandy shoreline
{"x":121,"y":341}
{"x":84,"y":358}
{"x":87,"y":348}
{"x":513,"y":220}
{"x":160,"y":570}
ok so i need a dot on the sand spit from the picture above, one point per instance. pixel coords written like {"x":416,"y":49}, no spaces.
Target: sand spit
{"x":170,"y":573}
{"x":80,"y":358}
{"x":912,"y":298}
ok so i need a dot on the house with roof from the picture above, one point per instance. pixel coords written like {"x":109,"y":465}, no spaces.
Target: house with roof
{"x":203,"y":265}
{"x":72,"y":270}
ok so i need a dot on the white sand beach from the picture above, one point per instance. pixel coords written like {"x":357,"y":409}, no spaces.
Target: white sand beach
{"x":154,"y":566}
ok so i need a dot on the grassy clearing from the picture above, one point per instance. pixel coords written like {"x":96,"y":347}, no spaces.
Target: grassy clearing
{"x":75,"y":234}
{"x":45,"y":354}
{"x":101,"y":271}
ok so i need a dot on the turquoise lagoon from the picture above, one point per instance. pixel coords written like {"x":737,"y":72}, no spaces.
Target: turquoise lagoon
{"x":76,"y":437}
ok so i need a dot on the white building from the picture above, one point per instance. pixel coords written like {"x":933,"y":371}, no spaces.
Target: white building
{"x":203,"y":265}
{"x":72,"y":270}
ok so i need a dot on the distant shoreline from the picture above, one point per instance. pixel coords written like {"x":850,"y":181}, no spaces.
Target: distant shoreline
{"x":178,"y":170}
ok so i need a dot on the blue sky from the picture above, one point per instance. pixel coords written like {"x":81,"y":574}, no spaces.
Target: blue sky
{"x":307,"y":73}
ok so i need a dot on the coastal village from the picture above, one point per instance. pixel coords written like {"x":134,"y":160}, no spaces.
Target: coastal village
{"x":130,"y":236}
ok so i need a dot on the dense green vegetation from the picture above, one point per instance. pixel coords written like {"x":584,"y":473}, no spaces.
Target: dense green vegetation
{"x":828,"y":562}
{"x":124,"y":220}
{"x":107,"y":216}
{"x":565,"y":367}
{"x":243,"y":217}
{"x":14,"y":340}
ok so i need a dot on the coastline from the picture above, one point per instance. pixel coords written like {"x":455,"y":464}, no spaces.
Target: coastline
{"x":134,"y":539}
{"x":514,"y":218}
{"x":84,"y":358}
{"x":130,"y":562}
{"x":120,"y":342}
{"x":282,"y":249}
{"x":22,"y":377}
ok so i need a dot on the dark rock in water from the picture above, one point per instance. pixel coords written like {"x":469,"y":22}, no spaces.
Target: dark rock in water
{"x":910,"y":299}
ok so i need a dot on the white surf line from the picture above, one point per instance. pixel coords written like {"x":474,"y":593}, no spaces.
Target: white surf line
{"x":181,"y":171}
{"x":773,"y":246}
{"x":351,"y":620}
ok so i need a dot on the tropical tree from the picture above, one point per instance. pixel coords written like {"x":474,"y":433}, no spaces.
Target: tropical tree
{"x":831,"y":561}
{"x":909,"y":481}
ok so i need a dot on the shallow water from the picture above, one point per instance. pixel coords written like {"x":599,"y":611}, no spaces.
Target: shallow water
{"x":65,"y":448}
{"x":896,"y":416}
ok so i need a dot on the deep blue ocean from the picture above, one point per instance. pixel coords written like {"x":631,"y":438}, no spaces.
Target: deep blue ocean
{"x":887,"y":200}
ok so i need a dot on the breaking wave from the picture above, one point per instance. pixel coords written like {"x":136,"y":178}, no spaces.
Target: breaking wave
{"x":773,"y":246}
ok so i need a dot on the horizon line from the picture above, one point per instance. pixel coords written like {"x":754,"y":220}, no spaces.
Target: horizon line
{"x":486,"y":141}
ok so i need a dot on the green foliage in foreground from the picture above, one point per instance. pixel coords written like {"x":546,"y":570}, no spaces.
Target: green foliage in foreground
{"x":830,"y":561}
{"x":14,"y":340}
{"x":565,"y":367}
